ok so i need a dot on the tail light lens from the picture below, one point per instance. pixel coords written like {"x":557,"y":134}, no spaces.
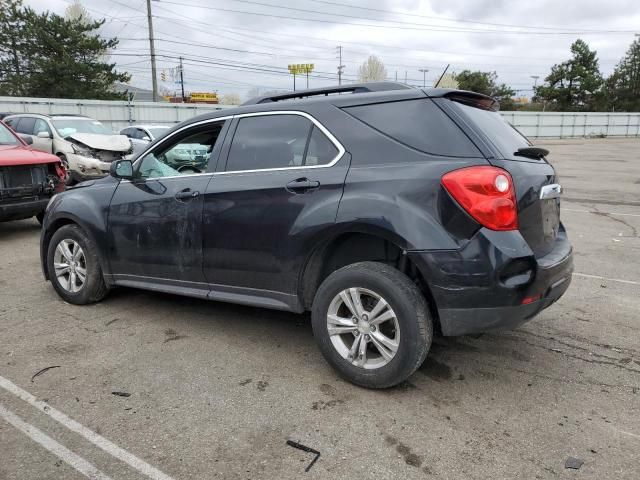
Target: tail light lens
{"x":486,"y":193}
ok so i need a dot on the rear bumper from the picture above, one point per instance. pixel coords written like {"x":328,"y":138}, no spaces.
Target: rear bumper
{"x":495,"y":282}
{"x":19,"y":209}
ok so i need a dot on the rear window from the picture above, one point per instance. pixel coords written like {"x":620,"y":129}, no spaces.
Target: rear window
{"x":419,"y":124}
{"x":498,"y":131}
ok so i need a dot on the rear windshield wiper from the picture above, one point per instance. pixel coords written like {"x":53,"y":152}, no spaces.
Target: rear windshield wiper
{"x":532,"y":152}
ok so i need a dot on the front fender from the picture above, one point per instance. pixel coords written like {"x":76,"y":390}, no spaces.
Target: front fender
{"x":87,"y":207}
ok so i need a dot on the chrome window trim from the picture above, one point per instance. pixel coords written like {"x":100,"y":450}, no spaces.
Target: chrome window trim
{"x":312,"y":119}
{"x":323,"y":129}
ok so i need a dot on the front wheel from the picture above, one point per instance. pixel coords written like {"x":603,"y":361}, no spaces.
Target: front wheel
{"x":74,"y":266}
{"x":372,"y":324}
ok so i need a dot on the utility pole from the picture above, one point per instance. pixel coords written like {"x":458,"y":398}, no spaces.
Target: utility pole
{"x":424,"y":76}
{"x":152,"y":48}
{"x":182,"y":81}
{"x":340,"y":65}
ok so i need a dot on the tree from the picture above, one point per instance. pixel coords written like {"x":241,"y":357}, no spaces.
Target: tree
{"x":372,"y":70}
{"x":486,"y":84}
{"x":13,"y":38}
{"x":48,"y":55}
{"x":76,"y":11}
{"x":574,"y":84}
{"x":623,"y":86}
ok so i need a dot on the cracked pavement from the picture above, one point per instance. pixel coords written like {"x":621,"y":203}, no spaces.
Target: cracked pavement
{"x":217,"y":389}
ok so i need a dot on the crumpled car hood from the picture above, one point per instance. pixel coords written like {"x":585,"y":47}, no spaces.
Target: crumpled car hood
{"x":113,"y":143}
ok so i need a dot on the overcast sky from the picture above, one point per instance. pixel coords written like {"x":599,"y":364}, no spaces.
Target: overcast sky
{"x":236,"y":45}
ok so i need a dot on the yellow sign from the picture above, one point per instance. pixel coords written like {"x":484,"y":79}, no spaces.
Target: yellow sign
{"x":298,"y":68}
{"x":205,"y":97}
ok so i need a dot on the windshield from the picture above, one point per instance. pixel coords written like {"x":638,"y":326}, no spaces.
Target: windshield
{"x":157,"y":131}
{"x":70,"y":126}
{"x":504,"y":136}
{"x":6,"y":137}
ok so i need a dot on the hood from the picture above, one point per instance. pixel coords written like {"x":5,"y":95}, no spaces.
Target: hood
{"x":112,"y":143}
{"x":13,"y":155}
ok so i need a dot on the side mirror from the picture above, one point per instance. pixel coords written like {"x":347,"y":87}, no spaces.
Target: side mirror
{"x":26,"y":139}
{"x":121,"y":169}
{"x":43,"y":135}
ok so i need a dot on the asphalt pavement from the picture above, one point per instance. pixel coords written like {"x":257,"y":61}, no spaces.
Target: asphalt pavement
{"x":211,"y":390}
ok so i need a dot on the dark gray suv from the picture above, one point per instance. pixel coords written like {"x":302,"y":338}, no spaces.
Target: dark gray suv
{"x":388,"y":212}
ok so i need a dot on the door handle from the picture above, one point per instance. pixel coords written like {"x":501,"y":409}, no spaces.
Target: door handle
{"x":186,"y":194}
{"x":301,"y":185}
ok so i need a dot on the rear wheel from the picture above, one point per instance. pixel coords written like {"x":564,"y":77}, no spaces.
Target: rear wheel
{"x":372,"y":324}
{"x":74,"y":267}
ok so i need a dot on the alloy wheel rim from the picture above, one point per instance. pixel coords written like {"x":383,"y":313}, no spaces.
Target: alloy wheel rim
{"x":70,"y":265}
{"x":363,"y":328}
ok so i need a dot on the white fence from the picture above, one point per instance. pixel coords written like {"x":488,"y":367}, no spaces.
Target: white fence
{"x":119,"y":114}
{"x":575,"y":124}
{"x":115,"y":114}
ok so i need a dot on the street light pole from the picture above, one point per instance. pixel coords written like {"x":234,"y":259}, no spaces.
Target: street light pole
{"x":424,"y":76}
{"x":535,"y":80}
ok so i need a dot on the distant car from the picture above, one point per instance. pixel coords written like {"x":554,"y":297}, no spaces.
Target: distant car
{"x":143,"y":135}
{"x":28,"y":178}
{"x":5,"y":114}
{"x":85,"y":146}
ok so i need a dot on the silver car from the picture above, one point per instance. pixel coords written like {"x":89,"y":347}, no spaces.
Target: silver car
{"x":143,"y":135}
{"x":85,"y":146}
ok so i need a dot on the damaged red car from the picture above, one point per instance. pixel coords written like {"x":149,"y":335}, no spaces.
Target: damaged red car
{"x":28,"y":178}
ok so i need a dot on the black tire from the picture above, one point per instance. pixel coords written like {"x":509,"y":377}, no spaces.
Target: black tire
{"x":412,"y":313}
{"x":94,"y":288}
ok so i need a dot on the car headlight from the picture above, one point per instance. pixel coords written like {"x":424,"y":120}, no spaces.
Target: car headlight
{"x":85,"y":152}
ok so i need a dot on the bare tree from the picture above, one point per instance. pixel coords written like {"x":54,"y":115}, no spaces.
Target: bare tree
{"x":372,"y":70}
{"x":76,"y":11}
{"x":230,"y":99}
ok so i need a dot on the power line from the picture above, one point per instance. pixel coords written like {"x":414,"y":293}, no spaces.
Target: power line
{"x":446,"y":19}
{"x":433,"y":29}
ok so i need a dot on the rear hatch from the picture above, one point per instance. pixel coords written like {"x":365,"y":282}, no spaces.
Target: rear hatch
{"x":538,"y":207}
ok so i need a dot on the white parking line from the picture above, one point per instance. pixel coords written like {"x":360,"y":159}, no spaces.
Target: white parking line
{"x":606,"y":213}
{"x":598,"y":277}
{"x":98,"y":440}
{"x":62,"y":452}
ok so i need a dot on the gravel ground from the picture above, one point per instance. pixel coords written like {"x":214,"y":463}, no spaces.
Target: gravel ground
{"x":217,"y":389}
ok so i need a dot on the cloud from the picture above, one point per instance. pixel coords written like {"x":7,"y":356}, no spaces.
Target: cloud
{"x":235,"y":52}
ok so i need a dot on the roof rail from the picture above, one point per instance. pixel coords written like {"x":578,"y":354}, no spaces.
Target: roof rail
{"x":316,"y":92}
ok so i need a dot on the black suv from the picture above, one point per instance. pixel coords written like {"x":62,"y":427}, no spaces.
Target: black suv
{"x":389,"y":212}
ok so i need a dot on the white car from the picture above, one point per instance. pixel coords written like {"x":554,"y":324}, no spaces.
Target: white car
{"x":84,"y":145}
{"x":143,"y":135}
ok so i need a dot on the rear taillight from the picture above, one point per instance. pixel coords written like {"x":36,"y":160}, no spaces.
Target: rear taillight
{"x":486,"y":193}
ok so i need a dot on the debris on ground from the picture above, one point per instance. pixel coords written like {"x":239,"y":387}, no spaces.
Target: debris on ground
{"x":121,"y":394}
{"x":40,"y":372}
{"x":573,"y":463}
{"x":304,"y":448}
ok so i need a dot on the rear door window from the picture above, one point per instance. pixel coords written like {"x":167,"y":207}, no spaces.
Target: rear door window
{"x":418,"y":124}
{"x":278,"y":141}
{"x":25,"y":125}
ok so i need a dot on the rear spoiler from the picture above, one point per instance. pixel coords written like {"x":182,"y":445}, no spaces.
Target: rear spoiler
{"x":474,"y":99}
